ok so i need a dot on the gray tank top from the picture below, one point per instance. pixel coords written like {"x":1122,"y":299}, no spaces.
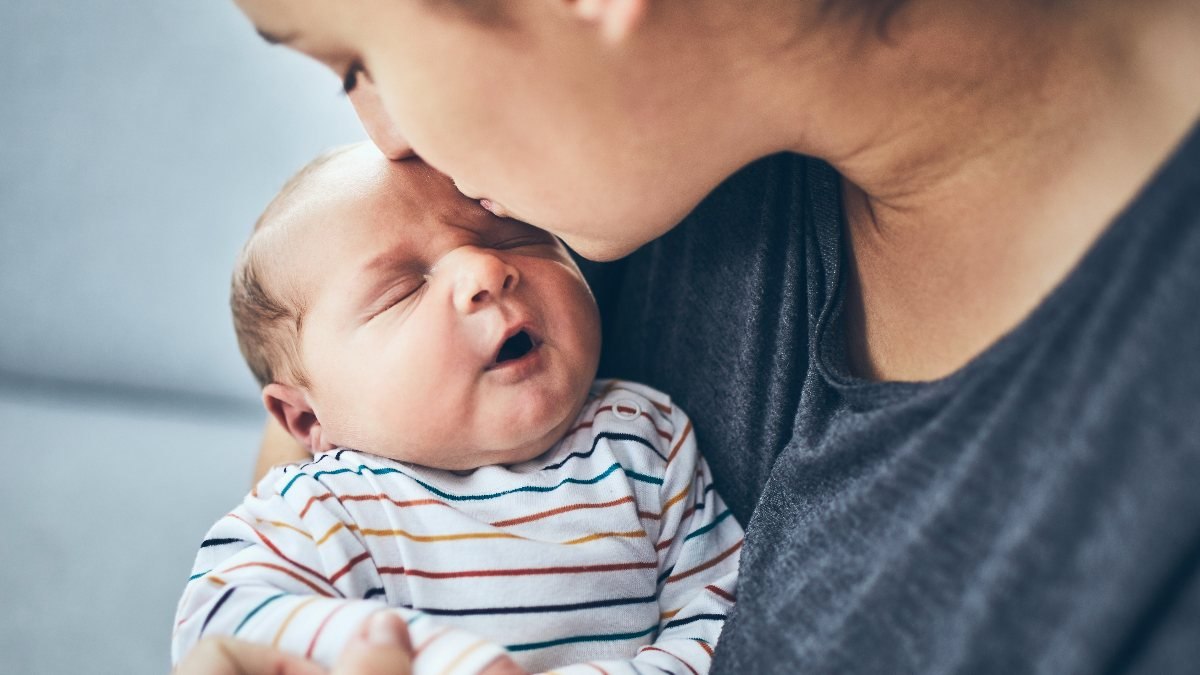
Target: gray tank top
{"x":1036,"y":511}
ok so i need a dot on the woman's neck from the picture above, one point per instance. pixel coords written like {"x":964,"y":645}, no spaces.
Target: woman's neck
{"x":985,"y":148}
{"x":1035,"y":99}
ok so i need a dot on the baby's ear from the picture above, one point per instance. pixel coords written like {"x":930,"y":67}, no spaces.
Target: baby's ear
{"x":290,"y":407}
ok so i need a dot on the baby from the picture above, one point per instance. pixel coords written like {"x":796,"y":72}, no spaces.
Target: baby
{"x":468,"y":474}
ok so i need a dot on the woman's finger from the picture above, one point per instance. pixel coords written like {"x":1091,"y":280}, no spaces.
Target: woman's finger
{"x":226,"y":656}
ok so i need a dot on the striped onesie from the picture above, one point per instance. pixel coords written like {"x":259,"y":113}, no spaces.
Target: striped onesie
{"x":610,"y":553}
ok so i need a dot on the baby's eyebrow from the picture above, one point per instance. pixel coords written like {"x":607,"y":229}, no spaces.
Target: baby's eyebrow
{"x":380,"y":272}
{"x":386,"y":260}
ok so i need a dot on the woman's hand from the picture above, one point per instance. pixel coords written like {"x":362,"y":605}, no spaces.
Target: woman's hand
{"x":382,"y":648}
{"x":227,"y":656}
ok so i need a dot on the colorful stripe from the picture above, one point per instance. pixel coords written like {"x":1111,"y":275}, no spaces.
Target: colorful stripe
{"x":450,"y":667}
{"x":605,"y":435}
{"x":607,"y":637}
{"x":674,"y":656}
{"x":380,"y":497}
{"x":280,"y":568}
{"x":725,"y":595}
{"x":691,"y":619}
{"x":288,"y":620}
{"x":381,"y":471}
{"x":422,"y":538}
{"x":520,"y":572}
{"x":256,"y":610}
{"x":709,"y":527}
{"x":700,"y":568}
{"x":687,"y":431}
{"x":312,"y":644}
{"x":365,"y":555}
{"x":275,"y":549}
{"x":213,"y":611}
{"x":539,"y":609}
{"x":220,"y":542}
{"x":630,"y":534}
{"x":564,"y":509}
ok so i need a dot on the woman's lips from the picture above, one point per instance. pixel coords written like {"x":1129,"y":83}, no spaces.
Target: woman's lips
{"x":493,"y":208}
{"x":487,"y":204}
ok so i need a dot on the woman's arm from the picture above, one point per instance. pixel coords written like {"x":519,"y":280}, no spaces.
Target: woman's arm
{"x":278,"y":447}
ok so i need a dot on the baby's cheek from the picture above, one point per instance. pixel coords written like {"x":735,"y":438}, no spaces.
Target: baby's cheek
{"x":427,"y":410}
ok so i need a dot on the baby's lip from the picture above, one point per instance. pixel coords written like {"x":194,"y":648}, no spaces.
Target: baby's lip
{"x":514,"y":329}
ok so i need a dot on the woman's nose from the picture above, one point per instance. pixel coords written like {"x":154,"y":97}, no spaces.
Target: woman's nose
{"x":375,"y":119}
{"x":481,"y":277}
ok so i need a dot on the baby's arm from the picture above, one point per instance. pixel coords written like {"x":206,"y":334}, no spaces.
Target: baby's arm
{"x":288,"y":568}
{"x":698,"y":544}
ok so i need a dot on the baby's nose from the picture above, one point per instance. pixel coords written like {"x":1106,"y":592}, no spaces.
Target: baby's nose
{"x":480,"y":277}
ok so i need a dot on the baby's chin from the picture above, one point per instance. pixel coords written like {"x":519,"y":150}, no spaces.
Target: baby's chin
{"x":465,"y":455}
{"x":517,"y":454}
{"x":513,"y":450}
{"x":505,"y":433}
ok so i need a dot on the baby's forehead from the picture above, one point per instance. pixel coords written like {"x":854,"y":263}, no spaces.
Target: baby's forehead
{"x":356,"y":202}
{"x":353,"y":201}
{"x":363,"y":170}
{"x":360,"y":182}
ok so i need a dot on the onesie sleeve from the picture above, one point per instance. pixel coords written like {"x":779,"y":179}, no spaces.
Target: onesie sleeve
{"x":698,"y":545}
{"x":287,"y":568}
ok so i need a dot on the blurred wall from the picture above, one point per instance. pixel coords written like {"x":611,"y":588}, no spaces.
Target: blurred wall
{"x":140,"y":139}
{"x":138,"y":142}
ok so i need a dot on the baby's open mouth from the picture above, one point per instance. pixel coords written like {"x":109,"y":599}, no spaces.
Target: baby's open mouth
{"x":515,"y":347}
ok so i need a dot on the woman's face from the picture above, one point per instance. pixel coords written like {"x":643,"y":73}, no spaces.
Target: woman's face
{"x":533,"y":110}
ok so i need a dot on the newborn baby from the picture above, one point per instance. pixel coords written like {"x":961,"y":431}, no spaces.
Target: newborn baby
{"x":467,"y":472}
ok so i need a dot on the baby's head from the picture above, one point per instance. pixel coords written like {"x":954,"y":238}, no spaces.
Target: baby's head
{"x":381,"y":310}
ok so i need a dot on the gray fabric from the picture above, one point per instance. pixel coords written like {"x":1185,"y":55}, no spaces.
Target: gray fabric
{"x":1035,"y":511}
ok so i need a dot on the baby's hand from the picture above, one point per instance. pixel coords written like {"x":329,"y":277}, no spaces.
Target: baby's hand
{"x":503,"y":666}
{"x":383,"y":647}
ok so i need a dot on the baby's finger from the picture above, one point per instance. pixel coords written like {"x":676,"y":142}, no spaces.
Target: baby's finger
{"x":382,"y":648}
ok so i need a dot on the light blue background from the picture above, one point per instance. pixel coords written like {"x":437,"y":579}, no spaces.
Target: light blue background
{"x":139,"y":140}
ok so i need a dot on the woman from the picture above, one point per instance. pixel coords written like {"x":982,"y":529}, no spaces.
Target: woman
{"x":946,"y":374}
